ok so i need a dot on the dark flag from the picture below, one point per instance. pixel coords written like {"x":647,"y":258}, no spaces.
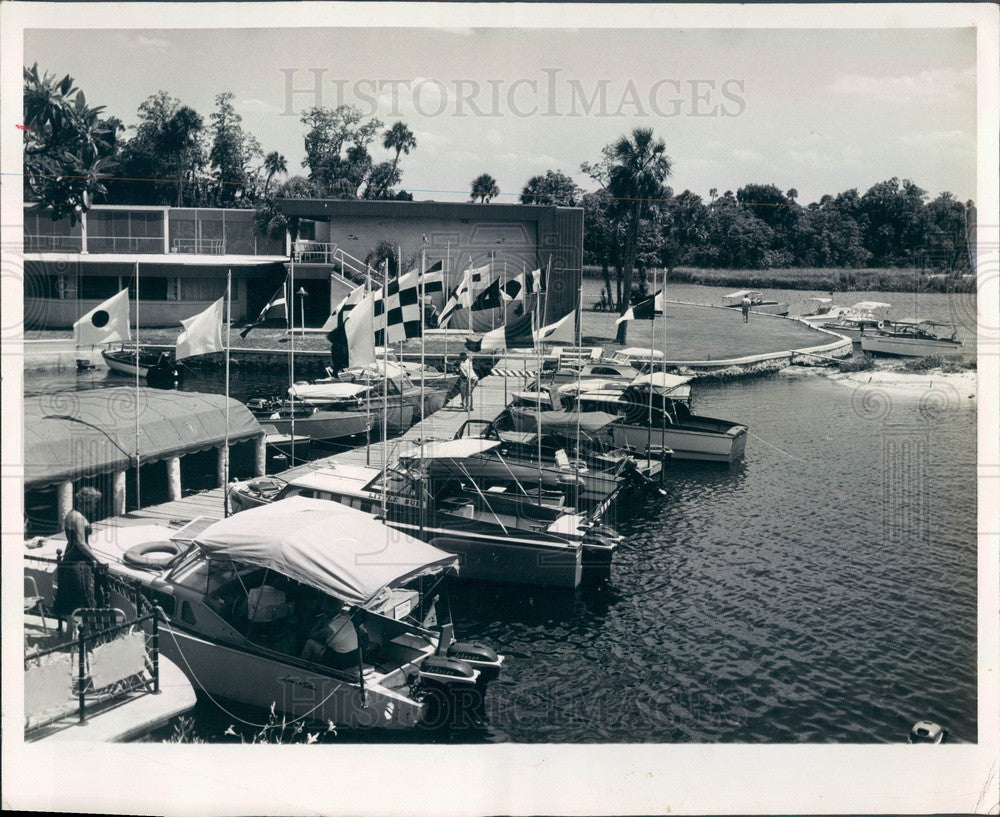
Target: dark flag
{"x":278,"y":300}
{"x":642,"y":311}
{"x":515,"y":334}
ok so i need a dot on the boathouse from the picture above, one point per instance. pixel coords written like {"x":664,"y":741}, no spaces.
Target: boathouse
{"x":180,"y":256}
{"x":91,"y":438}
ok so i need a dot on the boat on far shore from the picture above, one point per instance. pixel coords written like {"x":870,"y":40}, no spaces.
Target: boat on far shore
{"x":758,"y":303}
{"x":853,"y":322}
{"x":911,"y":339}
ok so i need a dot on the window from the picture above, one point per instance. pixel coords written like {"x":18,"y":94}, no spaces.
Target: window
{"x":151,"y":288}
{"x":98,"y":287}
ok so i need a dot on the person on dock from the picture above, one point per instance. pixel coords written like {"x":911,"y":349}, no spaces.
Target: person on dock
{"x":467,"y":380}
{"x":745,"y":308}
{"x":75,"y":573}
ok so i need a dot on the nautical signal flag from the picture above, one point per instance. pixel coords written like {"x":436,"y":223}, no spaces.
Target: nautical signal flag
{"x":644,"y":310}
{"x":398,"y":311}
{"x":359,"y":327}
{"x":105,"y":323}
{"x":562,"y":331}
{"x":489,"y":298}
{"x":202,"y":333}
{"x":279,"y":301}
{"x":522,"y":284}
{"x":515,"y":334}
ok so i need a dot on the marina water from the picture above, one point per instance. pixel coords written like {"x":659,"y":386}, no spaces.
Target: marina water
{"x":823,"y":590}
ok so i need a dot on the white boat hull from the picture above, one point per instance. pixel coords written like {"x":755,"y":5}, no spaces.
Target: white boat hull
{"x":908,"y":347}
{"x":698,"y":446}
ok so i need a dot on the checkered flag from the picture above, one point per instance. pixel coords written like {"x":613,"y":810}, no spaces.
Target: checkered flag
{"x":398,"y":311}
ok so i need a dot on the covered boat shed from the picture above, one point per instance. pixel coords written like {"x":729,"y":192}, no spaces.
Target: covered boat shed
{"x":74,"y":436}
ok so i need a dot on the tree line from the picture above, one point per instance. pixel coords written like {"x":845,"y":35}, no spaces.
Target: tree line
{"x":75,"y":155}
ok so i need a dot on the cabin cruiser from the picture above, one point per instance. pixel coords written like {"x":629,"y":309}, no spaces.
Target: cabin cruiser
{"x":854,"y":321}
{"x":311,"y":607}
{"x":588,"y":475}
{"x":649,"y":419}
{"x":822,"y":310}
{"x":911,"y":339}
{"x":758,"y":303}
{"x":342,"y":416}
{"x":500,"y":535}
{"x":395,"y":379}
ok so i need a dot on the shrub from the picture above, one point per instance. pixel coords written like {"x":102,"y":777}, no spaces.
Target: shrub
{"x":857,"y":363}
{"x":923,"y":364}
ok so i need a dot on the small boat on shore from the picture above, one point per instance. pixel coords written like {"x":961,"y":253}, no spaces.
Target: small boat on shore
{"x":853,"y":322}
{"x":309,"y":607}
{"x":911,"y":339}
{"x":758,"y":303}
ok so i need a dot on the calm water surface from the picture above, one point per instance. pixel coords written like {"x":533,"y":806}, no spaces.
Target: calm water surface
{"x":822,"y":590}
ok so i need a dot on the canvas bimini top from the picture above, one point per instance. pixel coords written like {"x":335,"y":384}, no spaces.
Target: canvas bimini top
{"x":459,"y":449}
{"x":334,"y":548}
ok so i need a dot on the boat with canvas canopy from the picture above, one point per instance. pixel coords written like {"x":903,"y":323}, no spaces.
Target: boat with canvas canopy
{"x":758,"y":302}
{"x":912,"y":339}
{"x":854,"y":321}
{"x":311,"y":606}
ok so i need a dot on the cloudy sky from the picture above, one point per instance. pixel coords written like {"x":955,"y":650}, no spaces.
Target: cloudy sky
{"x":820,"y":111}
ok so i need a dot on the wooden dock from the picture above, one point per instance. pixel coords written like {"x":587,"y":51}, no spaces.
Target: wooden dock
{"x":489,"y":399}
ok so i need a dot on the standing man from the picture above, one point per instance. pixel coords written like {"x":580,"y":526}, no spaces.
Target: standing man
{"x":75,"y":574}
{"x":745,"y":307}
{"x":466,"y":380}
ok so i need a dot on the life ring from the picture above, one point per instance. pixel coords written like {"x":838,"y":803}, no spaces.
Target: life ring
{"x":155,"y":555}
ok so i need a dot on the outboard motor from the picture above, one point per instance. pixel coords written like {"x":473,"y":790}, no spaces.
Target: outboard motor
{"x":927,"y":732}
{"x":478,"y":656}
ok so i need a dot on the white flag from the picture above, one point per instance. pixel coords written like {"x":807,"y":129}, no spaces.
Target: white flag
{"x":202,"y":333}
{"x":359,"y":326}
{"x":107,"y":323}
{"x":562,"y":331}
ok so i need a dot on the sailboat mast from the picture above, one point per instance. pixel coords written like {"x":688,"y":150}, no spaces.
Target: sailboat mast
{"x":290,"y":314}
{"x":422,"y":291}
{"x":652,"y":337}
{"x":385,"y":388}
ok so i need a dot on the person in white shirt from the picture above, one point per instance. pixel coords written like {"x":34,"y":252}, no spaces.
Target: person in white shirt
{"x":467,"y":380}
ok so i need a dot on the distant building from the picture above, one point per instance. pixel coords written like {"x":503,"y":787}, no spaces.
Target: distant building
{"x":182,"y":254}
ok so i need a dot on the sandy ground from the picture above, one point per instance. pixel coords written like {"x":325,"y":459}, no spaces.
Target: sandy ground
{"x":959,"y":388}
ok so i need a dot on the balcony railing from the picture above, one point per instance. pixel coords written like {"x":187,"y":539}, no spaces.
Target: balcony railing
{"x":53,"y":243}
{"x":198,"y":246}
{"x":127,"y":245}
{"x":318,"y":252}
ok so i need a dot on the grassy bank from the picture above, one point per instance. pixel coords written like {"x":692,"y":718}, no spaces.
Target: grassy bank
{"x":819,"y":278}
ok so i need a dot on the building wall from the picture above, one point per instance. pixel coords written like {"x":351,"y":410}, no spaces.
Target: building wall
{"x":522,"y":236}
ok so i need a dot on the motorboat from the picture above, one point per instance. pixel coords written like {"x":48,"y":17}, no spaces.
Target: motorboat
{"x":122,"y":361}
{"x":395,"y":379}
{"x":649,"y":419}
{"x":911,"y":339}
{"x":498,"y":536}
{"x":758,"y":302}
{"x":279,"y":444}
{"x":853,"y":322}
{"x":336,"y":422}
{"x":590,"y":475}
{"x":822,"y":310}
{"x":311,"y":607}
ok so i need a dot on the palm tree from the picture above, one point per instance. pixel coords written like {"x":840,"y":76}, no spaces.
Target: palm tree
{"x":484,"y":188}
{"x":638,"y":166}
{"x":400,"y":139}
{"x":274,"y":163}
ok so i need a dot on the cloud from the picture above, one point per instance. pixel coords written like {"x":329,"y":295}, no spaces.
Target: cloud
{"x":934,"y":84}
{"x":939,"y":138}
{"x":258,"y":105}
{"x":149,"y":43}
{"x":746,"y":155}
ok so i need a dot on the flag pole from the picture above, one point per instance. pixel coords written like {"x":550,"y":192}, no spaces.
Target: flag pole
{"x":444,"y":288}
{"x":538,"y":391}
{"x":138,"y":500}
{"x":290,"y":322}
{"x":423,"y":290}
{"x":368,"y":394}
{"x":229,"y":324}
{"x":385,"y":389}
{"x":652,"y":337}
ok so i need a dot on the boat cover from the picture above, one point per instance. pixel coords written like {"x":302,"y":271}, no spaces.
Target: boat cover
{"x":70,"y":435}
{"x":459,"y":449}
{"x":327,"y":391}
{"x":869,"y":306}
{"x":739,"y":294}
{"x":334,"y":548}
{"x":662,"y":381}
{"x":562,"y":423}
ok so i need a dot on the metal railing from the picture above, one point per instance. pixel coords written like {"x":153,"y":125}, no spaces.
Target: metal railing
{"x":53,"y":243}
{"x":321,"y":252}
{"x":83,"y":681}
{"x":198,"y":246}
{"x":132,"y":245}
